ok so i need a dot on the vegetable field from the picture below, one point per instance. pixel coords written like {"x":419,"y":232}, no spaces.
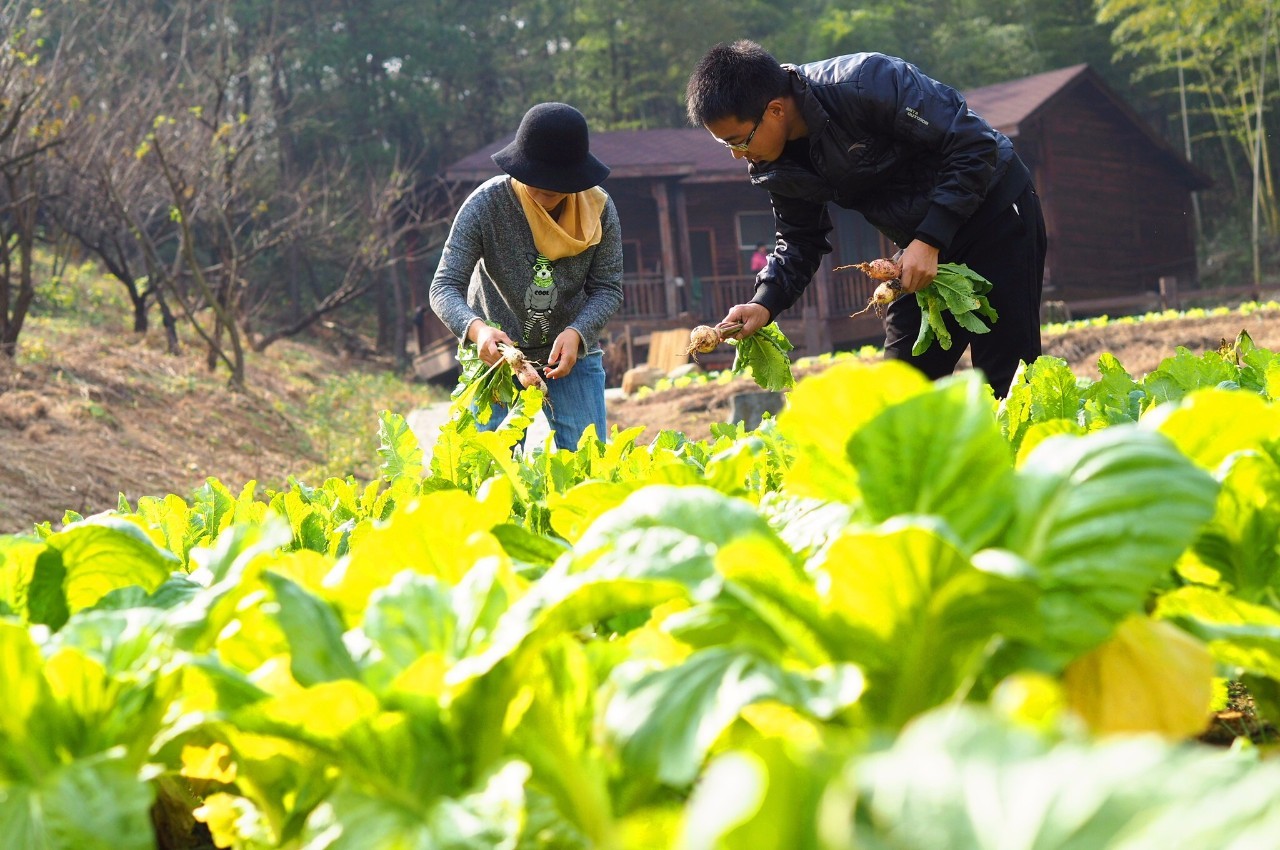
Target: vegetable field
{"x":902,"y":615}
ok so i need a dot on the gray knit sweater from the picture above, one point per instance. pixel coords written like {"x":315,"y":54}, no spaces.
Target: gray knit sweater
{"x":491,"y":270}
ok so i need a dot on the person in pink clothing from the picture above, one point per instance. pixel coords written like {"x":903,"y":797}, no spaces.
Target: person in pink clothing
{"x":760,"y":258}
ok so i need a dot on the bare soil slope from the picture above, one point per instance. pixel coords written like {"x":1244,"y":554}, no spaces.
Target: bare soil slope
{"x":85,"y":417}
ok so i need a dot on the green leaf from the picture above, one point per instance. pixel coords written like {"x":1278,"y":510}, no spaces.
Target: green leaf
{"x":314,"y":632}
{"x":826,"y":410}
{"x":97,"y":804}
{"x":1240,"y":543}
{"x":526,"y":547}
{"x":1185,"y":372}
{"x":557,"y":737}
{"x":103,"y":553}
{"x":410,"y":618}
{"x":442,"y":534}
{"x":180,"y":525}
{"x":489,"y":818}
{"x":931,"y":305}
{"x":482,"y":386}
{"x":214,"y":507}
{"x":28,"y":742}
{"x":700,"y":513}
{"x":758,"y":798}
{"x":558,"y":604}
{"x":917,"y":615}
{"x":938,"y":453}
{"x":398,"y":447}
{"x":100,"y":711}
{"x":1241,"y":635}
{"x":1068,"y":795}
{"x":971,"y":323}
{"x":1114,"y":398}
{"x":307,"y":524}
{"x":18,"y":557}
{"x":1210,"y":425}
{"x":1102,"y":518}
{"x":1043,"y":390}
{"x":764,"y":354}
{"x":667,"y":721}
{"x":46,"y":593}
{"x":574,"y":510}
{"x":956,"y":289}
{"x":924,"y":337}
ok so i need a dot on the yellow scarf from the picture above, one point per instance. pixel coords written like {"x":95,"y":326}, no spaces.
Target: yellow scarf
{"x":577,"y":230}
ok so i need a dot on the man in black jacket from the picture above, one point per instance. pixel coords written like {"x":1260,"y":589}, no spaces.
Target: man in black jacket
{"x":871,"y":133}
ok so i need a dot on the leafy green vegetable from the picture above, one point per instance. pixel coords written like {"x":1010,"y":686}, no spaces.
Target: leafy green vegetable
{"x":482,"y":385}
{"x":1069,"y":793}
{"x":765,"y":354}
{"x":959,"y":290}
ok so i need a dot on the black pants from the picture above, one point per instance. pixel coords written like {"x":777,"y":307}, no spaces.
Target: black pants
{"x":1009,"y":251}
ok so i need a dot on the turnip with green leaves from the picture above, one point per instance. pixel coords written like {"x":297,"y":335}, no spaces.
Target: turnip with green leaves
{"x":764,"y":352}
{"x":956,"y":289}
{"x":482,"y":386}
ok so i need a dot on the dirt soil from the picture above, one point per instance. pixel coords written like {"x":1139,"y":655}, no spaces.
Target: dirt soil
{"x":92,"y":417}
{"x":1139,"y":348}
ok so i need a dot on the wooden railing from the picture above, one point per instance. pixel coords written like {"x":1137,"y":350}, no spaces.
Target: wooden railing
{"x":847,"y":293}
{"x":644,"y":296}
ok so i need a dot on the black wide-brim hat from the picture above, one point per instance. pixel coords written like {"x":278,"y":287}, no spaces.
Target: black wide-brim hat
{"x":551,"y":151}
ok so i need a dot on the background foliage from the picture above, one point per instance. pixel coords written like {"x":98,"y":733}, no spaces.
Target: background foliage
{"x":253,"y":167}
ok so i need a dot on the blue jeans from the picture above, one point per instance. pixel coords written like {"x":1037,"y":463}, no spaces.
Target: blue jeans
{"x":573,"y":402}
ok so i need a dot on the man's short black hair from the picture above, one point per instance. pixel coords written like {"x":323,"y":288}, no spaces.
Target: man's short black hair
{"x":733,"y":80}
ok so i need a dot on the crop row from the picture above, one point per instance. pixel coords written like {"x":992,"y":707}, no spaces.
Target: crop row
{"x":901,"y":615}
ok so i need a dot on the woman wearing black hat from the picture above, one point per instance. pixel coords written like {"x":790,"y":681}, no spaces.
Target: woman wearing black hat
{"x":538,"y":253}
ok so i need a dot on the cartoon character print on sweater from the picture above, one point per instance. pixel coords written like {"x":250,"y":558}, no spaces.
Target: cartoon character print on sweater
{"x":539,"y":299}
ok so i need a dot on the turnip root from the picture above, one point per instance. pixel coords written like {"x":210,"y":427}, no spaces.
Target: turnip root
{"x":521,"y":367}
{"x":703,"y":339}
{"x":885,"y":294}
{"x":890,"y":289}
{"x":881,"y":269}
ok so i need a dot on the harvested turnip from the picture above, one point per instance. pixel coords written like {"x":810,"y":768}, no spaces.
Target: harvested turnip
{"x":884,"y":295}
{"x":764,"y":353}
{"x":704,"y":338}
{"x":881,"y":269}
{"x":521,"y":367}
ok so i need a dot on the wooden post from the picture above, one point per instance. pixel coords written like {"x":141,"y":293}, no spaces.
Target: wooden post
{"x":1169,"y":293}
{"x":667,"y":239}
{"x":812,"y":330}
{"x":822,"y":280}
{"x":682,"y":240}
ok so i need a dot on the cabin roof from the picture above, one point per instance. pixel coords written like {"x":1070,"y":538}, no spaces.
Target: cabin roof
{"x":688,"y":153}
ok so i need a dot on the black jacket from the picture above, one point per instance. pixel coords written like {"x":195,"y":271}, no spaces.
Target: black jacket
{"x":895,"y":145}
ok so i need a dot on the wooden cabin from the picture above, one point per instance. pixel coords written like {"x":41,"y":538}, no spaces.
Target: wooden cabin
{"x":1116,"y":197}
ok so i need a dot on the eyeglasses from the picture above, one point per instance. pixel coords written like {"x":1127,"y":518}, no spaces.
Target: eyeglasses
{"x":743,"y":145}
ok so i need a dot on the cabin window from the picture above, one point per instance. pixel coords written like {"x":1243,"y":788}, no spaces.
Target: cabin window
{"x":753,"y":228}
